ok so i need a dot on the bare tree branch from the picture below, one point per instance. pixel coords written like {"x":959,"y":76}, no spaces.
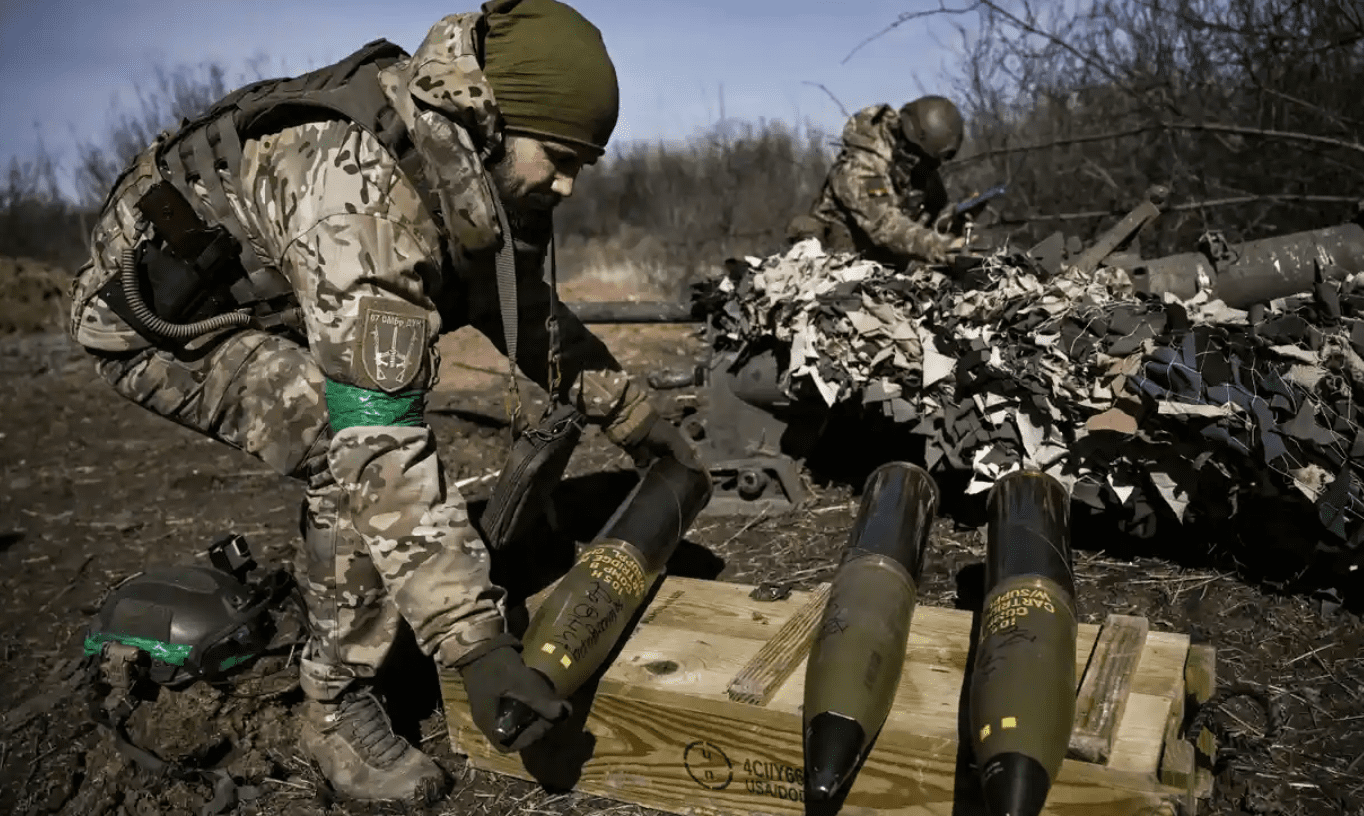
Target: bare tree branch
{"x":1079,"y":106}
{"x":1269,"y":134}
{"x":1202,"y":24}
{"x":830,"y":93}
{"x":907,"y":16}
{"x":1095,"y":137}
{"x":1137,"y":131}
{"x":1185,"y":206}
{"x":1085,"y":58}
{"x":1255,"y":199}
{"x":1335,"y":118}
{"x":1095,"y":171}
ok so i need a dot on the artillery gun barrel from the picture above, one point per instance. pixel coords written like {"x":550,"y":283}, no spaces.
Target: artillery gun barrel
{"x":1022,"y":693}
{"x":632,"y":311}
{"x":1252,"y":272}
{"x":854,"y":666}
{"x":1260,"y":270}
{"x":579,"y":624}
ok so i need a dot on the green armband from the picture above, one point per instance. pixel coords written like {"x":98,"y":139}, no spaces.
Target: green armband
{"x":350,"y":407}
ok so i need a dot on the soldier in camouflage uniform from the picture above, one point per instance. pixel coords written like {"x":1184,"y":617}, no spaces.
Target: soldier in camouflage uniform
{"x":506,"y":104}
{"x":883,"y":193}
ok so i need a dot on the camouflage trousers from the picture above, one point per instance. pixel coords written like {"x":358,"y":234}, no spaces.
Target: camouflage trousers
{"x":263,"y":393}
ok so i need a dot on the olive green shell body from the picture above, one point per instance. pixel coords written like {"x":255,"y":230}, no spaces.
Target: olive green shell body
{"x":581,"y":621}
{"x":853,"y":670}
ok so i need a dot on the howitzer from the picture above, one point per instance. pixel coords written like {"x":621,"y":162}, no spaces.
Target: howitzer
{"x":1239,"y":275}
{"x":748,"y":424}
{"x":750,"y":427}
{"x":1256,"y":271}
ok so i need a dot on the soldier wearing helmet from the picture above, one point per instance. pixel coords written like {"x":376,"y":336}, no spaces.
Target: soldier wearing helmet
{"x":298,"y":250}
{"x":884,"y":192}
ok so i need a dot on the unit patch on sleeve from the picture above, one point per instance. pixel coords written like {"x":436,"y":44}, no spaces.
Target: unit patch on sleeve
{"x":392,"y":342}
{"x":875,"y":186}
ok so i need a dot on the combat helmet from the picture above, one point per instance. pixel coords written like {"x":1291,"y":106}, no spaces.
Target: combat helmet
{"x":934,"y":124}
{"x":168,"y":627}
{"x":192,"y":622}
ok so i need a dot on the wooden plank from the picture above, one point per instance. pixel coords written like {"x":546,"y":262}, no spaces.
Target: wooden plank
{"x":692,"y":759}
{"x":1200,"y":681}
{"x":935,"y":665}
{"x":709,"y":630}
{"x":1177,"y":767}
{"x":1184,"y":764}
{"x":756,"y":682}
{"x":1203,"y":780}
{"x":1105,"y":687}
{"x":1177,"y":756}
{"x":662,"y":730}
{"x":1140,"y":734}
{"x":1200,"y":673}
{"x":710,"y":623}
{"x":1143,"y":741}
{"x":1161,"y":671}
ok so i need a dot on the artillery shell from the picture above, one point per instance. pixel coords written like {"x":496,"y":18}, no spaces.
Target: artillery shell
{"x":579,"y":624}
{"x":1023,"y":686}
{"x":854,"y":666}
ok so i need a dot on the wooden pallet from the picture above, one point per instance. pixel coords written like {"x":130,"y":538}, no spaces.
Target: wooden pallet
{"x":699,"y":713}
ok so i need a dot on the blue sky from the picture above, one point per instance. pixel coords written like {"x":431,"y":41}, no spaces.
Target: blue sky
{"x":65,"y":62}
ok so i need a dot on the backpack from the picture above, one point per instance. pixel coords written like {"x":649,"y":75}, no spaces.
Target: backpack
{"x":208,"y":248}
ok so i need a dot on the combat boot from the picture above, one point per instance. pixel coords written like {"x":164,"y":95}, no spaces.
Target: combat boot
{"x":352,"y":741}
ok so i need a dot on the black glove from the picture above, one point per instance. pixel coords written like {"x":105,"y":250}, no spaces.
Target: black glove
{"x":495,"y":670}
{"x":666,"y":439}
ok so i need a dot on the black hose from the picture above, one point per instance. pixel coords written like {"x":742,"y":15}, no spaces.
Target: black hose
{"x":1233,"y":744}
{"x":164,"y":328}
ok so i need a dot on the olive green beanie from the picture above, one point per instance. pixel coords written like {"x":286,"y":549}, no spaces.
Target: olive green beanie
{"x":550,"y":73}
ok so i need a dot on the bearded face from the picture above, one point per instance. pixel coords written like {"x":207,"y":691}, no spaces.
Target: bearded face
{"x":535,"y":174}
{"x":532,"y":177}
{"x":521,"y":190}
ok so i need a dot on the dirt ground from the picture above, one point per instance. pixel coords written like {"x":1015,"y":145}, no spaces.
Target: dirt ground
{"x":93,"y":489}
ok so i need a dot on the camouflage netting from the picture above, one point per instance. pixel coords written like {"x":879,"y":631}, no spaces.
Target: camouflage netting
{"x":1155,"y":410}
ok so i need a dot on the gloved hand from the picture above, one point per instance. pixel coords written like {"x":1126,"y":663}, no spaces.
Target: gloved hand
{"x":495,"y":670}
{"x":936,"y":246}
{"x":666,"y":439}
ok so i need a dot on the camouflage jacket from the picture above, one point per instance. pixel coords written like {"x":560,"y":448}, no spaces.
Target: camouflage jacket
{"x":326,"y":206}
{"x":876,"y":200}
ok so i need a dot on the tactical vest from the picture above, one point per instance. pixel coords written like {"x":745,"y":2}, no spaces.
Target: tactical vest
{"x":348,"y":89}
